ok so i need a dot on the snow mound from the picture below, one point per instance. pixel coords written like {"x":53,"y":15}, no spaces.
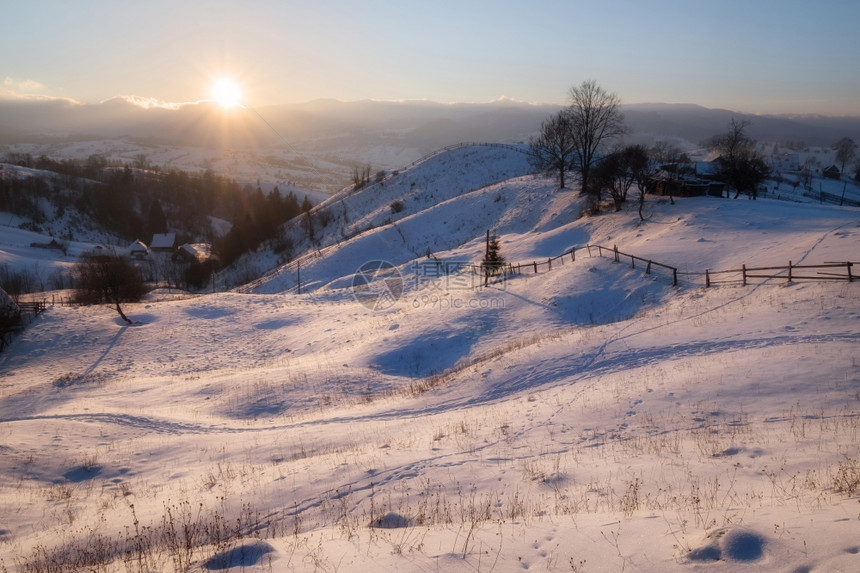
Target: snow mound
{"x":392,"y":520}
{"x":245,"y":555}
{"x":731,"y":545}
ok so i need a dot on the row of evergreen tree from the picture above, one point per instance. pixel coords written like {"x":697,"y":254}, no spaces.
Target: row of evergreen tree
{"x":134,"y":203}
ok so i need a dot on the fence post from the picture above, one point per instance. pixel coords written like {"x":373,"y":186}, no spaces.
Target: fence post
{"x":535,"y":264}
{"x":648,"y":268}
{"x":589,"y":249}
{"x":707,"y":279}
{"x":615,"y":249}
{"x":789,"y":271}
{"x":573,"y":254}
{"x":674,"y":277}
{"x":744,"y":270}
{"x":850,"y":278}
{"x":549,"y":264}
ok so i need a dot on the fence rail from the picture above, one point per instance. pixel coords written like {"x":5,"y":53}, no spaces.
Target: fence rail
{"x":538,"y":266}
{"x":789,"y":273}
{"x":792,"y":272}
{"x":35,"y":307}
{"x":27,"y":312}
{"x":649,"y":264}
{"x":507,"y":269}
{"x":433,"y":269}
{"x":825,"y":197}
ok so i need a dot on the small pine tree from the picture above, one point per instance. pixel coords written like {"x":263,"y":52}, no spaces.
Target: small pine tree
{"x":493,"y":262}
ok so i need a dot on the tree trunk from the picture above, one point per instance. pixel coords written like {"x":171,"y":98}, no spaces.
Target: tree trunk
{"x":121,"y":313}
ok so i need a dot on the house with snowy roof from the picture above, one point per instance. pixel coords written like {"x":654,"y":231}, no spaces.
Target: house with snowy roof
{"x":138,"y":250}
{"x":163,"y":242}
{"x":193,"y":253}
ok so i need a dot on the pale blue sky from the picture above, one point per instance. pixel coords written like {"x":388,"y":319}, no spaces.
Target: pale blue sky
{"x":756,"y":56}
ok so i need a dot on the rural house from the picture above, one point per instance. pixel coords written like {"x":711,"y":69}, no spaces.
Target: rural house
{"x":831,"y":172}
{"x":163,"y":242}
{"x":138,"y":250}
{"x":193,"y":253}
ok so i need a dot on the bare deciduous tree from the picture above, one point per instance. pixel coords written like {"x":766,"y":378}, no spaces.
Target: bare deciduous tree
{"x":360,"y":176}
{"x":108,"y":278}
{"x":642,"y":167}
{"x":552,"y":151}
{"x":741,"y":166}
{"x":664,"y":152}
{"x":596,"y":119}
{"x":667,"y":156}
{"x":619,"y":170}
{"x":845,"y":150}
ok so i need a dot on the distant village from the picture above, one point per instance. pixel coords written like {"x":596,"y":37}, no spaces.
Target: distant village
{"x":163,"y":261}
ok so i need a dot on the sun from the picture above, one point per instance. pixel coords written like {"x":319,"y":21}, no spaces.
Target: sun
{"x":227,"y":93}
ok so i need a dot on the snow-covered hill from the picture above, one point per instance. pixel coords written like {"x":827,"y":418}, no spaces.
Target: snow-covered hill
{"x":587,"y":418}
{"x":445,"y":202}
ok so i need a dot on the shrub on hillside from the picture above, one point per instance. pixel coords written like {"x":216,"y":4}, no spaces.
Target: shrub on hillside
{"x":108,"y":278}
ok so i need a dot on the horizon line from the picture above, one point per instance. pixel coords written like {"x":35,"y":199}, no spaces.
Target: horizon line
{"x":147,"y":103}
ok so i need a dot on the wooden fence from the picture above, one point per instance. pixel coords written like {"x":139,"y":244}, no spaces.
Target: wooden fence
{"x":538,"y":266}
{"x":841,"y":271}
{"x":648,"y":264}
{"x":534,"y":267}
{"x":743,"y":275}
{"x":35,"y":307}
{"x":826,"y":271}
{"x":27,"y":312}
{"x":824,"y":197}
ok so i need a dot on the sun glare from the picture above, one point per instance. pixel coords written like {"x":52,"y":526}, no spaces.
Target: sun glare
{"x":226,"y":93}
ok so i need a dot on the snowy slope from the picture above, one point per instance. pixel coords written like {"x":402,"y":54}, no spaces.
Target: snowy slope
{"x":590,"y":418}
{"x":444,"y":204}
{"x":43,"y":267}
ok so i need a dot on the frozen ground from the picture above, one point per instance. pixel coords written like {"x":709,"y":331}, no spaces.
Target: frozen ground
{"x":591,"y":418}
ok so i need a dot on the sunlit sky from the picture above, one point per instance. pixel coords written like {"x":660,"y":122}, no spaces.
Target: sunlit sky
{"x":757,"y":56}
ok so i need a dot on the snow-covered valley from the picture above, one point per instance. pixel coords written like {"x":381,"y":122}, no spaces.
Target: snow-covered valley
{"x":590,"y":417}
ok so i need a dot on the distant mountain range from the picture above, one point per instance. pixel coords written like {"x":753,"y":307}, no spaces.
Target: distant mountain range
{"x":421,"y":125}
{"x":695,"y":123}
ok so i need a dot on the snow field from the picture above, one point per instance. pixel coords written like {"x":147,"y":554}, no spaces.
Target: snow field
{"x":592,"y":418}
